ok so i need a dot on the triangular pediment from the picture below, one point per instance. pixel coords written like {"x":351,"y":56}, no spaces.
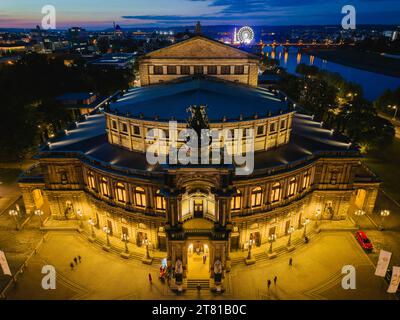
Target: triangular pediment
{"x":200,"y":47}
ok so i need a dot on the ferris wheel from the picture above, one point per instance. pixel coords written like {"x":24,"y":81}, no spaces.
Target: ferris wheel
{"x":245,"y":35}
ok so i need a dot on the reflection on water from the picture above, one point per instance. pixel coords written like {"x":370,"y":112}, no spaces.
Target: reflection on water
{"x":373,"y":83}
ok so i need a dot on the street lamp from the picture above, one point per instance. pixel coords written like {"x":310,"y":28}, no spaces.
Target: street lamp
{"x":317,"y":215}
{"x":305,"y":223}
{"x":125,"y":238}
{"x":384,"y":214}
{"x":290,"y":231}
{"x":39,"y":213}
{"x":395,"y":111}
{"x":107,"y":232}
{"x":14,"y":213}
{"x":249,"y":252}
{"x":147,"y":243}
{"x":91,"y":222}
{"x":271,"y":239}
{"x":80,"y":215}
{"x":358,"y":214}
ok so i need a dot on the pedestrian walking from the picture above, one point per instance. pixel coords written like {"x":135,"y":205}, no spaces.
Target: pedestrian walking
{"x":198,"y":287}
{"x":72,"y":266}
{"x":290,"y":262}
{"x":80,"y":259}
{"x":204,"y":259}
{"x":76,"y":260}
{"x":269,"y":284}
{"x":150,"y":279}
{"x":275,"y":279}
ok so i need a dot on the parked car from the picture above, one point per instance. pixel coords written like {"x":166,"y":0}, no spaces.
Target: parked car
{"x":364,"y":241}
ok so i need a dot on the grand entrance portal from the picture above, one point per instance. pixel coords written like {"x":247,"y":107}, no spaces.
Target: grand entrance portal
{"x":198,"y":260}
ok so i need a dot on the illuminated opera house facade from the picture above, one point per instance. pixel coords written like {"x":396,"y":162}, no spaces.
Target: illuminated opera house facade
{"x":100,"y":171}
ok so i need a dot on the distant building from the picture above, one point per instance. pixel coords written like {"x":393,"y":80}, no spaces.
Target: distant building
{"x":81,"y":103}
{"x":115,"y":60}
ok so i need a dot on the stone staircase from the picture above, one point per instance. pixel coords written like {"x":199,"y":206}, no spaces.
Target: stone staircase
{"x":191,"y":284}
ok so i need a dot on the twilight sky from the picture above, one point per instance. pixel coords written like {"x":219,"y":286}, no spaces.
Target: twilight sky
{"x":95,"y":14}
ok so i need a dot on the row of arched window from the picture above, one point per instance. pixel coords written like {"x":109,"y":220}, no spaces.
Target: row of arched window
{"x":275,"y":195}
{"x":121,"y":193}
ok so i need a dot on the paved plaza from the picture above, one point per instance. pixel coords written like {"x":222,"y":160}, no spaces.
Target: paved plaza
{"x":315,"y":274}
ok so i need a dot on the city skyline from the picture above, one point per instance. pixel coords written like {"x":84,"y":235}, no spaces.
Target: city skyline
{"x":159,"y":13}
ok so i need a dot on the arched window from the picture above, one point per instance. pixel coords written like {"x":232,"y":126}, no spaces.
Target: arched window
{"x":161,"y":203}
{"x":140,"y":197}
{"x":104,"y":187}
{"x":256,"y":197}
{"x":236,"y":202}
{"x":307,"y":179}
{"x":292,"y":187}
{"x":120,"y":192}
{"x":276,"y":192}
{"x":91,"y":181}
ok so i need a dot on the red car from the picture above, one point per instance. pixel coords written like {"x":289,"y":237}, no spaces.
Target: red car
{"x":364,"y":241}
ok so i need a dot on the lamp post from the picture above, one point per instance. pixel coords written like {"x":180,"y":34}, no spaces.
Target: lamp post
{"x":305,"y":223}
{"x":107,"y":232}
{"x":147,"y":243}
{"x":395,"y":111}
{"x":358,"y":214}
{"x":290,"y":231}
{"x":14,"y":213}
{"x":91,"y":222}
{"x":384,"y":214}
{"x":271,"y":239}
{"x":125,"y":238}
{"x":39,"y":213}
{"x":249,"y":252}
{"x":317,"y":215}
{"x":80,"y":215}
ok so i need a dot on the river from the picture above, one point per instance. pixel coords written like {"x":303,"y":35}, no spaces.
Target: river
{"x":373,"y":84}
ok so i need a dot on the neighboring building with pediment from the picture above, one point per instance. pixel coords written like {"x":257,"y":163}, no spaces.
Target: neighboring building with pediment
{"x":199,"y":56}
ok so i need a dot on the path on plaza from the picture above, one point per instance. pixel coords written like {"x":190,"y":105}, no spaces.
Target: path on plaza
{"x":315,"y":274}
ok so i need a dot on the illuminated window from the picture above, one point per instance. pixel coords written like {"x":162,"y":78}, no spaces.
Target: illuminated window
{"x":91,"y":180}
{"x":306,"y":179}
{"x":140,"y":197}
{"x":120,"y":192}
{"x":239,"y":69}
{"x":256,"y":197}
{"x":136,"y":130}
{"x":185,"y":70}
{"x":260,"y":130}
{"x":212,"y":70}
{"x":198,"y":70}
{"x":225,"y":70}
{"x":104,"y":187}
{"x":171,"y":69}
{"x":158,"y":70}
{"x":276,"y":192}
{"x":292,"y":186}
{"x":236,"y":201}
{"x":161,"y":203}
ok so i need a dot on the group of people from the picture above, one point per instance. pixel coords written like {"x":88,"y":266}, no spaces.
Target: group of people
{"x":75,"y":262}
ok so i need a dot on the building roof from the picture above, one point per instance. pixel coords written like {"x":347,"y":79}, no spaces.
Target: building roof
{"x":308,"y":141}
{"x":199,"y":46}
{"x":223,"y":99}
